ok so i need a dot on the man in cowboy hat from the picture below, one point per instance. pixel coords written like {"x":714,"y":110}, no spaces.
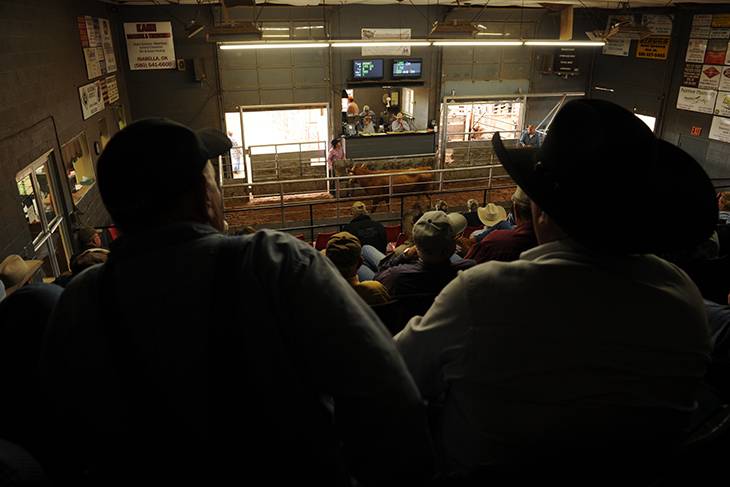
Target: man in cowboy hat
{"x":588,"y":346}
{"x":192,"y":357}
{"x":507,"y":244}
{"x":492,"y":217}
{"x":16,"y":272}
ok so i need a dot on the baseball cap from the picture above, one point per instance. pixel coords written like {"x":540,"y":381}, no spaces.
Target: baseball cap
{"x":359,"y":207}
{"x":168,"y":155}
{"x":343,"y":249}
{"x":436,"y":229}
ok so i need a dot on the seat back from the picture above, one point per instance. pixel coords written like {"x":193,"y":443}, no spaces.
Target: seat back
{"x":392,"y":232}
{"x":322,"y":239}
{"x":469,"y":230}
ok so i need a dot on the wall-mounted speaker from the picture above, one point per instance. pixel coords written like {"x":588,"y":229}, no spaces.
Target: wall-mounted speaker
{"x":199,"y":69}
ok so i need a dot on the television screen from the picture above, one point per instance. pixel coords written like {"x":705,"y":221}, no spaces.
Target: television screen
{"x":367,"y":68}
{"x":406,"y":68}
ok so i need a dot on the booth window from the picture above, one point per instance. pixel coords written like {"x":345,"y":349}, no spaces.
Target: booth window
{"x":79,"y":166}
{"x":39,"y":199}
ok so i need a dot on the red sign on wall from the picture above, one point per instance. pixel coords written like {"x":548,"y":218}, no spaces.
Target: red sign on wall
{"x":696,"y":131}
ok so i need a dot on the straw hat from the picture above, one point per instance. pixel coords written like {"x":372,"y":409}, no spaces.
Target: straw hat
{"x":491,"y":214}
{"x":15,"y":272}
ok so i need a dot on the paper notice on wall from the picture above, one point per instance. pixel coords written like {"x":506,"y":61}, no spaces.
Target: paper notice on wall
{"x":95,"y":65}
{"x":617,"y":47}
{"x":691,"y":75}
{"x":112,"y":89}
{"x":723,"y":33}
{"x":716,"y":51}
{"x":386,"y":34}
{"x":696,"y":100}
{"x":724,"y":79}
{"x":92,"y":100}
{"x":659,"y":25}
{"x":710,"y":77}
{"x":701,"y":26}
{"x":653,"y":48}
{"x":696,"y":51}
{"x":722,"y":105}
{"x":108,"y":45}
{"x":721,"y":20}
{"x":720,"y":129}
{"x":150,"y":45}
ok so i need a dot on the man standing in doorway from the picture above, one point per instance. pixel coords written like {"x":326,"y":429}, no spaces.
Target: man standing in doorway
{"x":531,"y":138}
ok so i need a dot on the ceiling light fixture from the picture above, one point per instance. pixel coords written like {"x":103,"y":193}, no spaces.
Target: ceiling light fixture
{"x":384,"y":43}
{"x":566,"y":43}
{"x":273,"y":45}
{"x":447,"y":43}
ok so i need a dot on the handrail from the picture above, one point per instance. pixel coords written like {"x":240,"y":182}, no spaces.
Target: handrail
{"x":380,"y":174}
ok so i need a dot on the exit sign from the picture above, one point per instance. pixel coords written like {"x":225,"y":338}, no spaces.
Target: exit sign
{"x":696,"y":131}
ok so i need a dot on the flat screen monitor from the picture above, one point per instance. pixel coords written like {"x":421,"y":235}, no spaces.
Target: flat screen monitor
{"x":407,"y":68}
{"x":367,"y":69}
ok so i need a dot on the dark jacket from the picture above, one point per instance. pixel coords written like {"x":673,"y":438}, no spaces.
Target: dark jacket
{"x":369,"y":232}
{"x":504,"y":245}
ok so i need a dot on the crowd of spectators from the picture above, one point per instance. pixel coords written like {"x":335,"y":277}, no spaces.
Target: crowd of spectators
{"x":184,"y":355}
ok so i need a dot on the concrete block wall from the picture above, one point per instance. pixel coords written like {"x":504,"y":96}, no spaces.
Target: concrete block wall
{"x":41,"y":68}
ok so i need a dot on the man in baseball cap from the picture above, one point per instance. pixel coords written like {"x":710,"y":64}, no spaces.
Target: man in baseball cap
{"x":426,"y":267}
{"x":187,"y":341}
{"x":588,"y":347}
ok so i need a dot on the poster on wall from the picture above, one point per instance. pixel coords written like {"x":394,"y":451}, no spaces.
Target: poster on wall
{"x":723,"y":33}
{"x":389,"y":34}
{"x":150,"y":45}
{"x":720,"y":129}
{"x":107,"y":45}
{"x":716,"y":51}
{"x":696,"y":51}
{"x":721,"y":21}
{"x":701,"y":26}
{"x":659,"y":25}
{"x":691,"y":75}
{"x":653,"y":48}
{"x":112,"y":89}
{"x":710,"y":77}
{"x":94,"y":58}
{"x":88,"y":31}
{"x":92,"y":100}
{"x":725,"y":79}
{"x":696,"y":100}
{"x":617,"y":45}
{"x":722,"y":105}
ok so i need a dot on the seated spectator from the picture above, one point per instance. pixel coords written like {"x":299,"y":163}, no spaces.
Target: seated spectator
{"x":492,"y":217}
{"x":23,"y":319}
{"x":507,"y":245}
{"x":368,"y":231}
{"x":589,"y":347}
{"x":366,"y":126}
{"x":16,"y":272}
{"x":471,"y":215}
{"x":344,"y":250}
{"x":426,"y":267}
{"x":723,"y":203}
{"x":441,"y":205}
{"x":399,"y":124}
{"x":88,"y":238}
{"x":81,"y":262}
{"x":191,"y":357}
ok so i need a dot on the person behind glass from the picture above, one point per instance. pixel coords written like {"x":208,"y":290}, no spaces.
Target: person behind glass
{"x":366,"y":126}
{"x":366,"y":111}
{"x":353,"y":110}
{"x":531,"y":138}
{"x":336,"y":153}
{"x":399,"y":124}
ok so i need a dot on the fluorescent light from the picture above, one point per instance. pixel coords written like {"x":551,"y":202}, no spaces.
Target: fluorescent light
{"x":477,"y":43}
{"x":285,"y":36}
{"x":274,"y":45}
{"x":566,"y":43}
{"x":489,"y":34}
{"x":274,"y":28}
{"x":379,"y":43}
{"x":309,"y":27}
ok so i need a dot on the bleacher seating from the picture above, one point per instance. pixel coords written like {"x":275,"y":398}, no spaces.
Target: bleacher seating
{"x":322,"y":239}
{"x":392,"y":232}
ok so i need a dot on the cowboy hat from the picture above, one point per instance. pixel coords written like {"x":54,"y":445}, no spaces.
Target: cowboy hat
{"x":491,"y":214}
{"x":15,"y":272}
{"x":591,"y":143}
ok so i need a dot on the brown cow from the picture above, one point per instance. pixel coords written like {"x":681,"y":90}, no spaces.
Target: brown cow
{"x":376,"y":187}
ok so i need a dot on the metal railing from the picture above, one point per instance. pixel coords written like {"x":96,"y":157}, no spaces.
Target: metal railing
{"x":318,"y":147}
{"x":343,"y":188}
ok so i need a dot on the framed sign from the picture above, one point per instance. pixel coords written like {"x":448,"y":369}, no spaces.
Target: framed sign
{"x":150,"y":45}
{"x":92,"y":100}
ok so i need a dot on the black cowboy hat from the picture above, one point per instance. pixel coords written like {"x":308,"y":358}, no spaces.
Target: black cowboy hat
{"x":598,"y":159}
